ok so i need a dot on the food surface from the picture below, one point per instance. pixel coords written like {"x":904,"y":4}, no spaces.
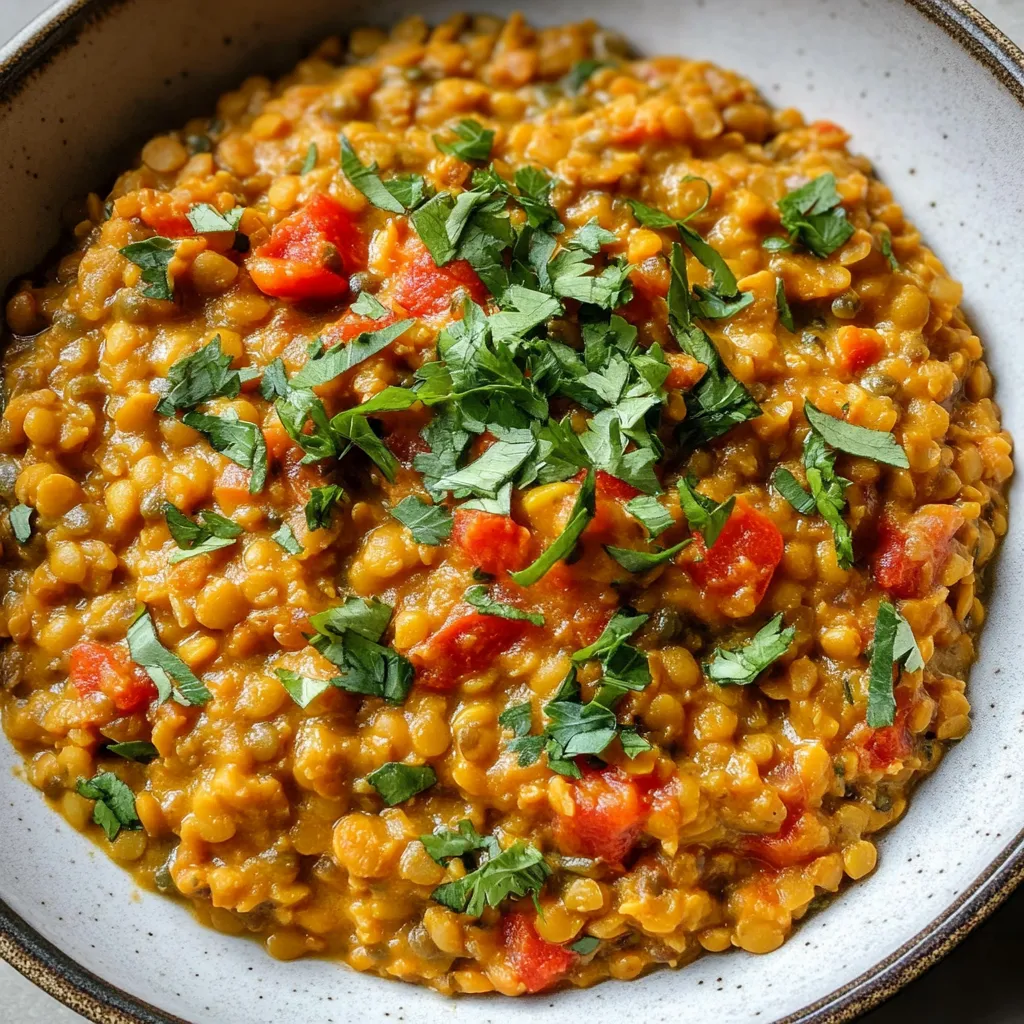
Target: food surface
{"x":493,"y":511}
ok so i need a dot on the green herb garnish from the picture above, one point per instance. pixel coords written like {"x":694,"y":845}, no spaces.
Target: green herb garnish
{"x":115,"y":803}
{"x":740,"y":666}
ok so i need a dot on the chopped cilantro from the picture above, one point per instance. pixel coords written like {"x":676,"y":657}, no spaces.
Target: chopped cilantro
{"x":397,"y":782}
{"x":894,"y":645}
{"x":20,"y":518}
{"x":285,"y":536}
{"x":429,"y":524}
{"x":479,"y":597}
{"x":115,"y":803}
{"x":705,"y":516}
{"x":152,"y":257}
{"x":813,"y":215}
{"x":320,"y":506}
{"x":173,"y":678}
{"x":473,"y":142}
{"x":240,"y":441}
{"x":740,"y":666}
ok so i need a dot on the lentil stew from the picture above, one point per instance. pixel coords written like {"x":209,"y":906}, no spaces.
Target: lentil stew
{"x":494,"y":511}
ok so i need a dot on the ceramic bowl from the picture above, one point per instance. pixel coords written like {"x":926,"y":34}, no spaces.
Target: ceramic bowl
{"x":935,"y":97}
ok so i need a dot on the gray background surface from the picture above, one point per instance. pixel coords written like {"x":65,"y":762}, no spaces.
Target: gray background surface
{"x":981,"y":982}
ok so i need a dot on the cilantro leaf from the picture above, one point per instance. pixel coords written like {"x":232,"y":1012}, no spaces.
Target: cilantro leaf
{"x":718,"y":402}
{"x":447,"y":843}
{"x":571,"y":279}
{"x":580,"y":73}
{"x":367,"y":180}
{"x":585,"y":945}
{"x":20,"y":518}
{"x":740,"y":666}
{"x":886,"y":245}
{"x":473,"y":141}
{"x":285,"y":536}
{"x":480,"y":599}
{"x":206,"y":218}
{"x":347,"y":635}
{"x":828,"y":490}
{"x":302,"y":689}
{"x":894,"y":644}
{"x":368,"y":305}
{"x":877,"y":445}
{"x":522,"y":310}
{"x":199,"y":377}
{"x":152,"y":257}
{"x":642,"y":561}
{"x":171,"y":675}
{"x":140,"y":751}
{"x":312,"y":155}
{"x":320,"y":506}
{"x":115,"y":803}
{"x":486,"y":475}
{"x":789,"y":487}
{"x":518,"y":718}
{"x":397,"y":782}
{"x":582,"y":512}
{"x":712,"y":306}
{"x":704,"y":515}
{"x":429,"y":524}
{"x":341,"y":358}
{"x":215,"y":532}
{"x":519,"y":870}
{"x":620,"y":628}
{"x":240,"y":441}
{"x":782,"y":305}
{"x":813,"y":215}
{"x":274,"y":383}
{"x":655,"y":518}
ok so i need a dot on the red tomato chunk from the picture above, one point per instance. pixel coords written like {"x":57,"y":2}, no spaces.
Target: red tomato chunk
{"x":909,"y":559}
{"x":425,"y":289}
{"x":745,"y":554}
{"x":467,"y":645}
{"x":310,"y":254}
{"x":611,"y":809}
{"x":100,"y":668}
{"x":537,"y":963}
{"x":797,"y":841}
{"x":493,"y":543}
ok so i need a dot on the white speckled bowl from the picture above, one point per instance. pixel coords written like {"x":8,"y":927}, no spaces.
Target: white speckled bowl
{"x":935,"y":97}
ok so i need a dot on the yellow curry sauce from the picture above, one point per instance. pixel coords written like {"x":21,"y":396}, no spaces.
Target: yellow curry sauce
{"x":644,"y":590}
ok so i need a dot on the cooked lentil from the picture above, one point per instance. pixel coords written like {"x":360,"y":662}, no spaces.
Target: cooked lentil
{"x":742,"y":804}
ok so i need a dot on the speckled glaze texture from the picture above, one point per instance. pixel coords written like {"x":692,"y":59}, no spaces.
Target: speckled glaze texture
{"x":935,"y":97}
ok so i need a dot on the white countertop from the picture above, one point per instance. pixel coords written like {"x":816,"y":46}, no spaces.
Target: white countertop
{"x":980,"y":983}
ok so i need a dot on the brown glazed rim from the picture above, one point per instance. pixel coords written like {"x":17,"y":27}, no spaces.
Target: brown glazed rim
{"x":71,"y":984}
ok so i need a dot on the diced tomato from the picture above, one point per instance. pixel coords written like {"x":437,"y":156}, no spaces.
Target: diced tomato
{"x":538,"y":963}
{"x":608,"y":486}
{"x":890,"y":744}
{"x":406,"y":444}
{"x":859,"y":347}
{"x":351,"y":325}
{"x":496,"y":544}
{"x":467,"y":645}
{"x":611,"y":809}
{"x":829,"y":133}
{"x":99,"y":667}
{"x":909,"y":559}
{"x":650,"y":278}
{"x":684,"y":372}
{"x":310,"y":254}
{"x":745,"y":554}
{"x":798,"y":840}
{"x":425,"y":289}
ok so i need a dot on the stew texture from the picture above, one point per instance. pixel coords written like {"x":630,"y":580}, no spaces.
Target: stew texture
{"x":493,"y":511}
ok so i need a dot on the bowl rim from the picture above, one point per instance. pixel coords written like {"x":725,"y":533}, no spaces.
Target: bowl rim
{"x":27,"y":951}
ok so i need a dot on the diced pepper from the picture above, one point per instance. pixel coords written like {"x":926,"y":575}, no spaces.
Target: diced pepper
{"x":745,"y":554}
{"x":496,"y":544}
{"x":538,"y":964}
{"x":467,"y":645}
{"x":310,"y":254}
{"x":99,"y":667}
{"x":610,"y":810}
{"x":425,"y":289}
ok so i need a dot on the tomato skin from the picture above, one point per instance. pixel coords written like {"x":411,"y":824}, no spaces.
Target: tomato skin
{"x":425,"y":289}
{"x":351,"y":325}
{"x":859,"y":347}
{"x":496,"y":544}
{"x":612,"y":487}
{"x":611,"y":809}
{"x":310,"y":253}
{"x":745,"y":553}
{"x":796,"y":842}
{"x":908,"y":559}
{"x":889,"y":744}
{"x":467,"y":645}
{"x":537,"y":962}
{"x":95,"y":667}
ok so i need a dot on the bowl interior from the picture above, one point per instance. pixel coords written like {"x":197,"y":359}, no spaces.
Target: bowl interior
{"x":942,"y":131}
